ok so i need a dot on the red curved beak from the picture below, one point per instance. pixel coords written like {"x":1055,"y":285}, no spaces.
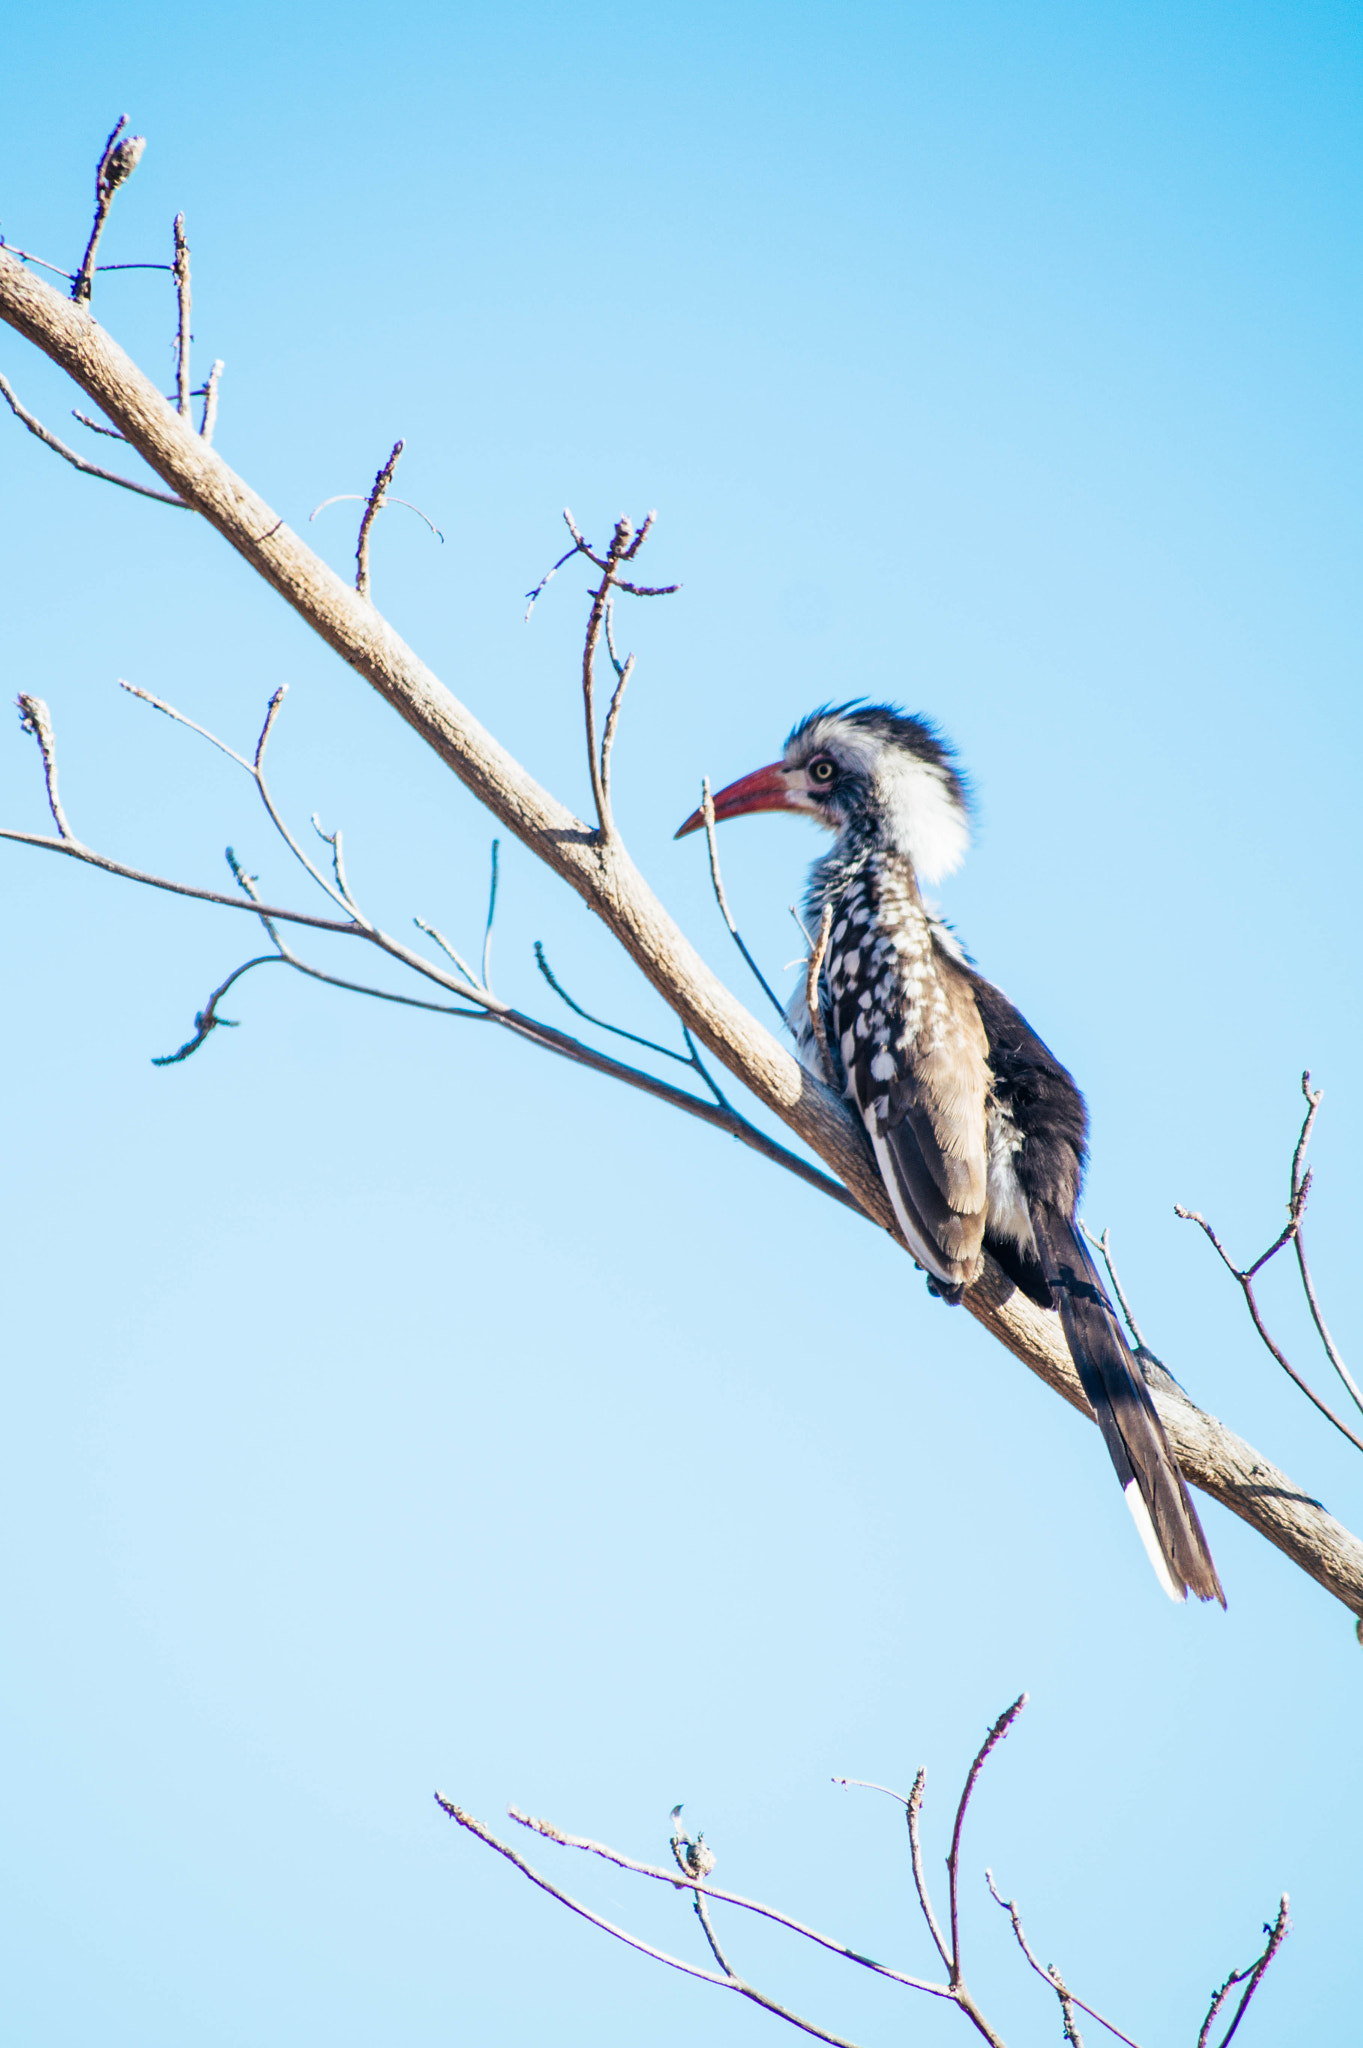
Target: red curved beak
{"x":766,"y":789}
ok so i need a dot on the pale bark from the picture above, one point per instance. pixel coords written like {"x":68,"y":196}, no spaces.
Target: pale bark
{"x":598,"y":867}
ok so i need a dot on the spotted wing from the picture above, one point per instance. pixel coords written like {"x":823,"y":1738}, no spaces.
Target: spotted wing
{"x":915,"y":1055}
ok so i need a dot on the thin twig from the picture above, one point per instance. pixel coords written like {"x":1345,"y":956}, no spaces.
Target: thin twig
{"x":728,"y":1982}
{"x":207,"y":1019}
{"x":108,"y":476}
{"x":612,"y":720}
{"x":609,"y":620}
{"x":210,"y":397}
{"x":1297,"y":1204}
{"x":27,"y":256}
{"x":813,"y":999}
{"x":698,"y":1901}
{"x":110,"y":433}
{"x":1299,"y":1191}
{"x":719,"y":1115}
{"x":706,"y":1076}
{"x":1277,"y":1935}
{"x":333,"y":840}
{"x":116,"y":165}
{"x":995,"y":1736}
{"x":1246,"y":1283}
{"x":491,"y":914}
{"x":182,"y":333}
{"x":687,"y":1882}
{"x":255,"y":769}
{"x":460,"y":962}
{"x":1050,"y":1974}
{"x":913,"y":1812}
{"x":620,"y":541}
{"x":616,"y":1030}
{"x":1103,"y":1245}
{"x":707,"y":811}
{"x":373,"y":506}
{"x":34,"y":717}
{"x":533,"y":596}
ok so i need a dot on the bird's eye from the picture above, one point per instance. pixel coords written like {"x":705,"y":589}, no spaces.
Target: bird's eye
{"x":821,"y":771}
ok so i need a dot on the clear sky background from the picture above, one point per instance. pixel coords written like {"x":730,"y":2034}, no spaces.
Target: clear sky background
{"x":389,"y":1406}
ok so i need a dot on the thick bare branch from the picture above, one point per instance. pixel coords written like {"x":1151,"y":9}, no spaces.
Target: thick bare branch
{"x":608,"y":882}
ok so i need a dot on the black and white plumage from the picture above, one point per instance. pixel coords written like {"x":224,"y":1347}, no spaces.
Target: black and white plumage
{"x":977,"y":1129}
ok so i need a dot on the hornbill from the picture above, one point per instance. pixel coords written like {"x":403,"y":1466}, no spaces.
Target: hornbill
{"x":978,"y":1131}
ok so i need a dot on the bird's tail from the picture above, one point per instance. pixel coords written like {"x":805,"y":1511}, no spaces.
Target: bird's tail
{"x":1134,"y":1435}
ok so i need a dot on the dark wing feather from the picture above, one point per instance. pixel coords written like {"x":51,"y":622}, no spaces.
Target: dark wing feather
{"x":1121,"y":1402}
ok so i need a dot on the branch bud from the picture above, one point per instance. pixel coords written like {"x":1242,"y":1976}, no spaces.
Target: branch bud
{"x":122,"y":161}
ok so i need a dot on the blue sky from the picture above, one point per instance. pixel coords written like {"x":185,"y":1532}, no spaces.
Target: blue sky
{"x":390,"y":1408}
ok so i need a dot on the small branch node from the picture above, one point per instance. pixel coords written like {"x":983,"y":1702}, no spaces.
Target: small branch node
{"x":35,"y":718}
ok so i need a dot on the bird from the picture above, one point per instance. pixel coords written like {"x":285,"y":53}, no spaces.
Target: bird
{"x":979,"y":1133}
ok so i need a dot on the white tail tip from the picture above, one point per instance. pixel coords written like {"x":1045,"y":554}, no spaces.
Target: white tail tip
{"x":1140,"y":1515}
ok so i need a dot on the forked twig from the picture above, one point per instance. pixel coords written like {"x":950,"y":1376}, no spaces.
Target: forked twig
{"x":108,"y":476}
{"x":1277,"y":1935}
{"x":694,"y":1863}
{"x":1050,"y":1975}
{"x":466,"y":987}
{"x":690,"y":1058}
{"x":624,"y":547}
{"x":1291,"y":1232}
{"x":683,"y":1879}
{"x":727,"y":1982}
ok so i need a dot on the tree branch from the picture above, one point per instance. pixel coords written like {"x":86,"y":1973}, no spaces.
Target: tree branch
{"x":606,"y":879}
{"x":728,"y":1982}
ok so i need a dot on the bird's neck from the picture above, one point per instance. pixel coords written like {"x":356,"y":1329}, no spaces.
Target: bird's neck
{"x":856,"y":852}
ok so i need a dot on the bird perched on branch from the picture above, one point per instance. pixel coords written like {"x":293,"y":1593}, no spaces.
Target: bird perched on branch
{"x":977,"y":1129}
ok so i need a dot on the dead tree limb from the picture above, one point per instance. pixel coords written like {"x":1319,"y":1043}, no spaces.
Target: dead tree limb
{"x":596,"y":864}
